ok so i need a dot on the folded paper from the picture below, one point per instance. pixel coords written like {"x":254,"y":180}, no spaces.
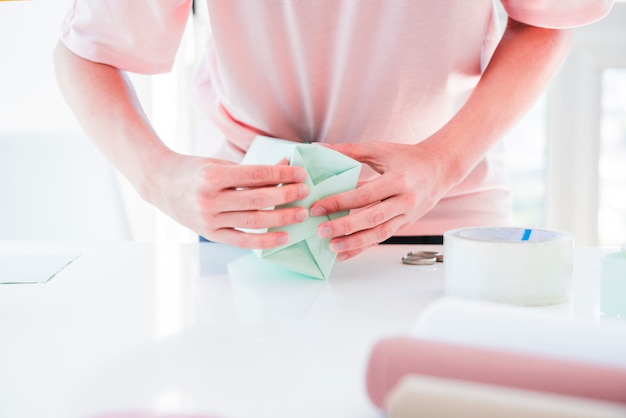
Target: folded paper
{"x":32,"y":268}
{"x":329,"y":172}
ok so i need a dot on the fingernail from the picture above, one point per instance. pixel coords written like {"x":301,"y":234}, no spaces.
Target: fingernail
{"x":300,"y":175}
{"x":301,"y":215}
{"x":303,"y":190}
{"x":283,"y":239}
{"x":325,"y":231}
{"x":342,"y":257}
{"x":337,"y":246}
{"x":318,"y":211}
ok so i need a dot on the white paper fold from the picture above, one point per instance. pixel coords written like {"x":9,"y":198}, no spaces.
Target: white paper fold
{"x":32,"y":268}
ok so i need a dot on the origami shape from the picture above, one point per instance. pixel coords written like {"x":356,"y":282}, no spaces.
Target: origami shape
{"x":329,"y":173}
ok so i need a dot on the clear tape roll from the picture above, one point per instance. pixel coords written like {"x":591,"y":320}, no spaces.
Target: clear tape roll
{"x":511,"y":265}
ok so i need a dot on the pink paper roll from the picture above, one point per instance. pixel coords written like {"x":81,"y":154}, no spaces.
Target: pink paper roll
{"x":393,"y":358}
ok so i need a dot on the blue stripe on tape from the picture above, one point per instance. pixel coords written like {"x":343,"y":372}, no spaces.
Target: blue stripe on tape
{"x":526,"y":235}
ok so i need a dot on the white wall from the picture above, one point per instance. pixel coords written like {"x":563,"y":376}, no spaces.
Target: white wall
{"x":29,"y":98}
{"x":54,"y":185}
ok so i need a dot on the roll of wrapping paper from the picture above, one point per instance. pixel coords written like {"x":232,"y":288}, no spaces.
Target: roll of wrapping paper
{"x":511,"y":265}
{"x":394,"y":358}
{"x":432,"y":397}
{"x":529,"y":330}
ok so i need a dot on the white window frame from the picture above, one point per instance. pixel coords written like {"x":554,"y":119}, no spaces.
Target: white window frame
{"x":574,"y":116}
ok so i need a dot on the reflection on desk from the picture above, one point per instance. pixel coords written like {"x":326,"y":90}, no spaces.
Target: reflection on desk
{"x":205,"y":329}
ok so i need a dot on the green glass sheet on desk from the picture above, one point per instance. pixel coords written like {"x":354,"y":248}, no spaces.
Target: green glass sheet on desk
{"x":329,"y":173}
{"x":32,"y":268}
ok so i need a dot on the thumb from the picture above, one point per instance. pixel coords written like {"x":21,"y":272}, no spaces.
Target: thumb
{"x":356,"y":151}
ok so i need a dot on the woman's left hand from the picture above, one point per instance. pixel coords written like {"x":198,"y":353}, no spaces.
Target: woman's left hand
{"x":412,"y":181}
{"x":415,"y":177}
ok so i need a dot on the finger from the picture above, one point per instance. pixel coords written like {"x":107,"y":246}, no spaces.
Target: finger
{"x":258,"y":219}
{"x":346,"y":255}
{"x":249,"y":240}
{"x":360,"y":152}
{"x":371,"y":219}
{"x":241,"y":176}
{"x":354,"y":243}
{"x":261,"y":198}
{"x":282,"y":162}
{"x":368,"y":194}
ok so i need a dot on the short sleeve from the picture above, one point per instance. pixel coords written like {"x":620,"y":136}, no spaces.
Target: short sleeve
{"x":557,"y":14}
{"x":139,"y":36}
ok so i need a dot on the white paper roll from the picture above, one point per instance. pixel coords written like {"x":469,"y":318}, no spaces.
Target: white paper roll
{"x":427,"y":396}
{"x":524,"y":330}
{"x":510,"y":265}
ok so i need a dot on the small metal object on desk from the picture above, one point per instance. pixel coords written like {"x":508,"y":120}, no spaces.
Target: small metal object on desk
{"x":422,"y":258}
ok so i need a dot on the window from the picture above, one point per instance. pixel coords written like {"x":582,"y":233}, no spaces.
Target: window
{"x":612,"y":161}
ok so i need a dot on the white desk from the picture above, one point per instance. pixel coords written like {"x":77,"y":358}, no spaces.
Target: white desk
{"x":206,"y":329}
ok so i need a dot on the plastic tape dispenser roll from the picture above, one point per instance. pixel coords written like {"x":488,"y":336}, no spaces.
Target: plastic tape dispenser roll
{"x":511,"y":265}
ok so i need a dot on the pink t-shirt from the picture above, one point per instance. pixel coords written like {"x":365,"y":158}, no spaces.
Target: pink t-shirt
{"x":331,"y":71}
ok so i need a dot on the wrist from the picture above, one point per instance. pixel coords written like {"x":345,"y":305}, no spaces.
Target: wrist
{"x":449,"y":157}
{"x":151,"y":170}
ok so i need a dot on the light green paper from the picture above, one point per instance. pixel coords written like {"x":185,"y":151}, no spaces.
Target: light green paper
{"x":32,"y":268}
{"x":329,"y":173}
{"x":613,"y":285}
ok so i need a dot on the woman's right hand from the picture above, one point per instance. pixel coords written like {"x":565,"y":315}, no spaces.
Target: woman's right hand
{"x":215,"y":198}
{"x":211,"y":197}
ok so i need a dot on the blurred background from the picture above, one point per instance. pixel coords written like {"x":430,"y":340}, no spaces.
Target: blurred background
{"x":567,"y":156}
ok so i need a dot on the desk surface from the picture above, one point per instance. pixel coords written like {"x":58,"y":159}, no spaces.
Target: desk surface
{"x":207,"y":329}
